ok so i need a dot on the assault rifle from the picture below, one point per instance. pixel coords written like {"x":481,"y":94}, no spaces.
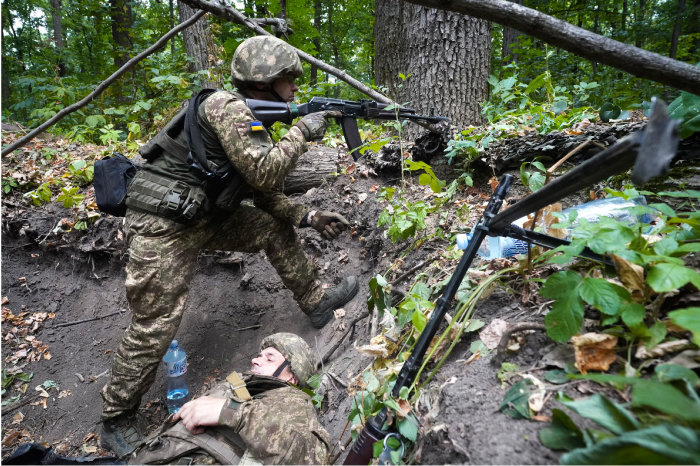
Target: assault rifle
{"x":650,"y":150}
{"x":269,"y":112}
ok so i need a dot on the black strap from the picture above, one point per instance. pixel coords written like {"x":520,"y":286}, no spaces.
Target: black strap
{"x":281,"y":368}
{"x":194,"y":134}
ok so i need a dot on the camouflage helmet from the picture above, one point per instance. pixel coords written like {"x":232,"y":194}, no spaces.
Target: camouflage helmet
{"x":296,"y":351}
{"x":263,"y":59}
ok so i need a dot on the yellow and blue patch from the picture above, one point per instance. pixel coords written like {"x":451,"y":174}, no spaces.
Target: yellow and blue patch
{"x":256,"y":126}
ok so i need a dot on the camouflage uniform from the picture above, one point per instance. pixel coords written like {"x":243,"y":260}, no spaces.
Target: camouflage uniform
{"x":278,"y":425}
{"x":162,"y":253}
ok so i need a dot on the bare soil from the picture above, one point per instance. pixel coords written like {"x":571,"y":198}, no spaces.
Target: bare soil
{"x":63,"y":294}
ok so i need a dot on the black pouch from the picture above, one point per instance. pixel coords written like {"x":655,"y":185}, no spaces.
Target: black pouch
{"x":112,"y":177}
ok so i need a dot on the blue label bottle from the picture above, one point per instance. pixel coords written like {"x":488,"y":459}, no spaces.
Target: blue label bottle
{"x":175,"y":361}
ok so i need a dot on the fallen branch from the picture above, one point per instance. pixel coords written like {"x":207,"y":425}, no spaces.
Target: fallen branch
{"x":82,"y":321}
{"x":252,"y":327}
{"x":231,"y":14}
{"x":330,"y":352}
{"x":503,"y":344}
{"x":103,"y":85}
{"x":586,"y":44}
{"x":19,"y":404}
{"x":411,"y":270}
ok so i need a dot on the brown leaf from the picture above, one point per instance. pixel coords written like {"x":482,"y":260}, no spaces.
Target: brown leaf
{"x":594,"y":351}
{"x":12,"y":438}
{"x":493,"y":182}
{"x":632,"y":276}
{"x":5,"y":300}
{"x":541,"y":418}
{"x":17,"y":418}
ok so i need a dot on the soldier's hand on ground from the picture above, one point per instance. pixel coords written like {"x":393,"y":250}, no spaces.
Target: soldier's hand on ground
{"x":314,"y":125}
{"x":329,"y":224}
{"x":200,"y":412}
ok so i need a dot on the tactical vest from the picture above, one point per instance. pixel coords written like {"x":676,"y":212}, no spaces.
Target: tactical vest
{"x":174,"y":444}
{"x":188,"y":172}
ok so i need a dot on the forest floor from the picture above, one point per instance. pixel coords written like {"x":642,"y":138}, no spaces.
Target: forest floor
{"x":64,"y":312}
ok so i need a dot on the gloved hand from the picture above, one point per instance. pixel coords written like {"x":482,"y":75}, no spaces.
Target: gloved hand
{"x":314,"y":125}
{"x":329,"y":224}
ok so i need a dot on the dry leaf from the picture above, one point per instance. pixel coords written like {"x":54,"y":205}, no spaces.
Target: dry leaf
{"x":491,"y":334}
{"x":594,"y":351}
{"x":17,"y":418}
{"x":339,"y":313}
{"x":537,"y":393}
{"x":493,"y":182}
{"x":632,"y":276}
{"x":64,"y":393}
{"x":5,"y":300}
{"x":541,"y":418}
{"x":376,"y":350}
{"x":661,"y":349}
{"x":91,"y":449}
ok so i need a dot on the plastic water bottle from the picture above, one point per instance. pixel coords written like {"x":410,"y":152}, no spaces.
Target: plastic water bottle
{"x":613,"y":207}
{"x":176,"y":366}
{"x":495,"y":246}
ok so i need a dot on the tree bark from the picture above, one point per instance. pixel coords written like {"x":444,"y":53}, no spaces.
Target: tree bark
{"x":638,"y":62}
{"x":58,"y":36}
{"x":313,"y":79}
{"x":508,"y":41}
{"x":122,"y":21}
{"x":676,"y":29}
{"x":312,"y":169}
{"x":446,"y":55}
{"x":199,"y":46}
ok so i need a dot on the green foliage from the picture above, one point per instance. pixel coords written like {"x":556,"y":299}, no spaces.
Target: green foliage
{"x":515,"y":402}
{"x":660,"y":426}
{"x":8,"y":183}
{"x":40,"y":195}
{"x":661,"y":270}
{"x":69,"y":196}
{"x":686,"y":107}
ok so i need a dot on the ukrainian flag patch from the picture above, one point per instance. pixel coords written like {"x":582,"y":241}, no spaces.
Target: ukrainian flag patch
{"x":256,"y":126}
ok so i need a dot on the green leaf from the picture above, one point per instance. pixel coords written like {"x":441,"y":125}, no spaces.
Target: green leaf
{"x":515,"y":401}
{"x":408,"y":427}
{"x":609,"y":111}
{"x":566,"y":317}
{"x":559,"y":106}
{"x":371,"y":381}
{"x":665,"y":398}
{"x":661,"y":444}
{"x":377,"y":448}
{"x":536,"y":83}
{"x":403,"y":393}
{"x":556,"y":376}
{"x":669,"y":277}
{"x":632,"y":314}
{"x":671,"y":372}
{"x":478,"y":346}
{"x":474,"y":325}
{"x":419,"y":320}
{"x":562,"y":434}
{"x":604,"y":412}
{"x":688,"y":318}
{"x":603,"y":295}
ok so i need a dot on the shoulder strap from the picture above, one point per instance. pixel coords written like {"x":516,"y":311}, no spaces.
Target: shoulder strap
{"x":223,"y":453}
{"x":238,"y":386}
{"x":193,"y":133}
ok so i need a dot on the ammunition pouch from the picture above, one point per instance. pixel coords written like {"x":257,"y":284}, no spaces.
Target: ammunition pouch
{"x":167,"y":198}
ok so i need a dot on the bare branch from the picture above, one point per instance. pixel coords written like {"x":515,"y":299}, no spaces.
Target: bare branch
{"x":103,"y":85}
{"x":636,"y":61}
{"x":236,"y":16}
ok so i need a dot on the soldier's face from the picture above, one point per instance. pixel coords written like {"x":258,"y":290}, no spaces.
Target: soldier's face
{"x":267,"y":362}
{"x":285,"y":87}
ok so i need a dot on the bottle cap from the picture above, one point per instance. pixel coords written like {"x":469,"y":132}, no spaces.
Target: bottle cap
{"x":463,"y":240}
{"x":173,"y":344}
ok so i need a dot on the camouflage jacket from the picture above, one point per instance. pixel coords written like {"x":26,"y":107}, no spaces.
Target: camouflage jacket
{"x":280,"y":427}
{"x":231,"y":132}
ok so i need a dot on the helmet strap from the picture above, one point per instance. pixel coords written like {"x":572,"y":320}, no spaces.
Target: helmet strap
{"x":279,"y":370}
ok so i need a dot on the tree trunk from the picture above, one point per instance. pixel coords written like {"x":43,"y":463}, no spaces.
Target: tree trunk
{"x":172,"y":25}
{"x":122,"y":21}
{"x":639,"y":21}
{"x":447,"y":56}
{"x":58,"y":36}
{"x":676,"y":29}
{"x":199,"y":46}
{"x":313,"y":80}
{"x":509,"y":37}
{"x":312,"y":169}
{"x":638,"y":62}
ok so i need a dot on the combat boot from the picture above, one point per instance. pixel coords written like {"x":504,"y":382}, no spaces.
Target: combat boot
{"x":332,"y":300}
{"x":122,"y":434}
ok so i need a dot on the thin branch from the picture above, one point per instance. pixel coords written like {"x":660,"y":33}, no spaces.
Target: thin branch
{"x":330,"y":352}
{"x":102,"y":86}
{"x":411,"y":270}
{"x":501,"y":348}
{"x":82,"y":321}
{"x":236,"y":16}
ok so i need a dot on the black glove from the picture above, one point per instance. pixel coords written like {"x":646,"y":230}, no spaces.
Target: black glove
{"x":329,"y":224}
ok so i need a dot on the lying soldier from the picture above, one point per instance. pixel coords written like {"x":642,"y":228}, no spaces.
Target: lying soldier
{"x":262,"y":418}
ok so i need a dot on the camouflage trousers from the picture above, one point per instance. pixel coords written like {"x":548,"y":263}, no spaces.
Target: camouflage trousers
{"x":162,"y":257}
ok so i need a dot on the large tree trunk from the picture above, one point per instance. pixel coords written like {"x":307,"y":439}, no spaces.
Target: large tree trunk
{"x":509,"y":37}
{"x":447,"y":56}
{"x":58,"y":36}
{"x":122,"y":21}
{"x":199,"y":46}
{"x":676,"y":28}
{"x":313,"y":80}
